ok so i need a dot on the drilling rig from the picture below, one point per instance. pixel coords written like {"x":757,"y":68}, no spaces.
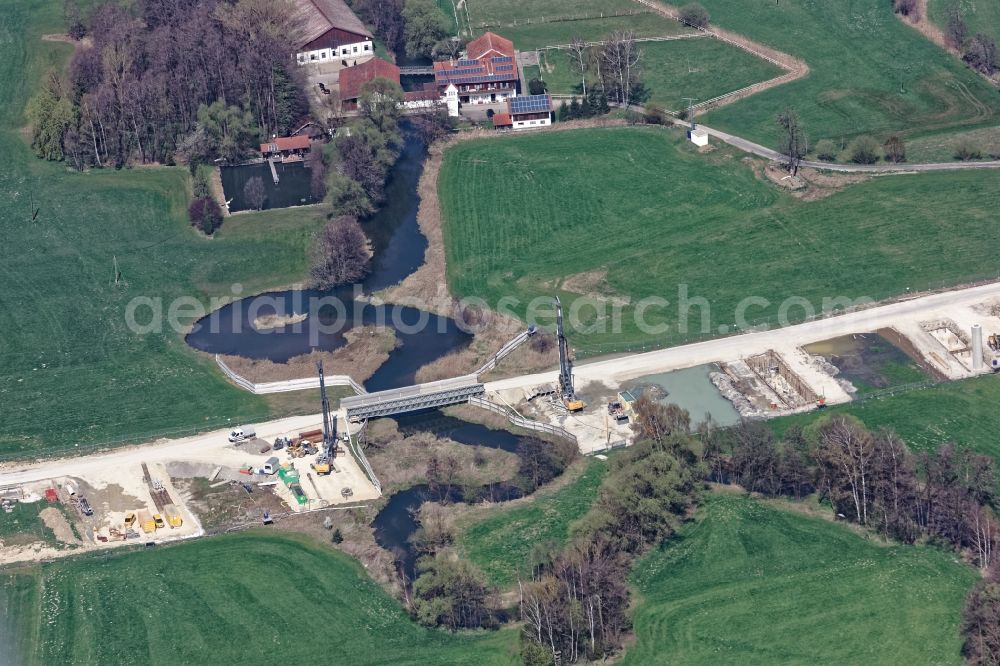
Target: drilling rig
{"x":566,"y":392}
{"x":324,"y":462}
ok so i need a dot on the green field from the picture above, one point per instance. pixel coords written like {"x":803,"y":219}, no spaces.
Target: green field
{"x":751,"y":584}
{"x":980,"y":15}
{"x":538,"y":35}
{"x":71,"y":372}
{"x":859,"y":55}
{"x":18,"y":628}
{"x":964,"y":412}
{"x":234,"y":599}
{"x":508,"y":12}
{"x":701,"y":68}
{"x":501,"y":544}
{"x":524,"y":213}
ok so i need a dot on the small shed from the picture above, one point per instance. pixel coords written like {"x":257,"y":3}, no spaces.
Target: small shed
{"x":627,"y":398}
{"x":698,"y":136}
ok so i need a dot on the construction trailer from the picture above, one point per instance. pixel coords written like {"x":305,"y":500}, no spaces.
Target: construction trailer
{"x":566,"y":391}
{"x":173,"y":515}
{"x":146,"y":522}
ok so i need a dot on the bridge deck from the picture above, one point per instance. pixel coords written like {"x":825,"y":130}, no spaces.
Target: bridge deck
{"x":412,"y":398}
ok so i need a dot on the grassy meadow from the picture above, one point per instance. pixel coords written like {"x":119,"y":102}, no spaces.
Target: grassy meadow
{"x":509,"y":12}
{"x":538,"y":35}
{"x":72,"y":372}
{"x":869,"y":73}
{"x":964,"y":412}
{"x":701,"y":68}
{"x":636,"y":212}
{"x":240,"y":599}
{"x":748,"y":583}
{"x":500,"y":544}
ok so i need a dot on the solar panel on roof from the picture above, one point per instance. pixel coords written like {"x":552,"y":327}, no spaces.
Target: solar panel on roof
{"x":529,"y":104}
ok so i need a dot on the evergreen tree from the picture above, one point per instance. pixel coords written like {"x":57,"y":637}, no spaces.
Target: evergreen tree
{"x":563,"y":112}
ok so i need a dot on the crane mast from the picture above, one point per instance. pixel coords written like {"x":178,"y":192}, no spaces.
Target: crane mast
{"x":566,"y":390}
{"x":329,"y":424}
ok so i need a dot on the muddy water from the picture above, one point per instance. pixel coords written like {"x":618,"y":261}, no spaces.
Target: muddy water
{"x":690,"y":389}
{"x":396,"y":522}
{"x":869,"y":361}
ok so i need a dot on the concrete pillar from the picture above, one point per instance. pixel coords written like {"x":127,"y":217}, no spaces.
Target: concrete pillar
{"x":977,"y":347}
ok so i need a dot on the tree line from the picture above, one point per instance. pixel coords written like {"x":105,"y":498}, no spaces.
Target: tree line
{"x":417,"y":28}
{"x":181,"y":81}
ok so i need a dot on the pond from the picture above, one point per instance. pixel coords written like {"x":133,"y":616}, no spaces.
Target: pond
{"x":399,"y":248}
{"x":869,"y":361}
{"x":294,"y":186}
{"x":690,"y":389}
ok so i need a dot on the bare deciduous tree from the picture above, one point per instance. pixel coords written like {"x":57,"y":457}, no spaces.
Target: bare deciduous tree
{"x":794,"y":144}
{"x":579,"y":58}
{"x":254,"y":193}
{"x":620,"y":63}
{"x":340,"y":254}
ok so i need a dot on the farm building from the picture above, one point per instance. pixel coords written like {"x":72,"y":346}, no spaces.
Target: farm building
{"x":487,"y":74}
{"x":352,"y":79}
{"x":285,"y":147}
{"x":331,"y":31}
{"x":527,"y":112}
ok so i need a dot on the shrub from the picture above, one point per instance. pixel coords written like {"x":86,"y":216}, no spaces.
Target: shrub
{"x":981,"y":53}
{"x":864,"y":150}
{"x":337,"y":536}
{"x":966,"y":150}
{"x":694,"y":14}
{"x":826,"y":150}
{"x":895,"y":149}
{"x":907,"y":8}
{"x":205,"y":215}
{"x":656,"y":114}
{"x":537,"y":87}
{"x":201,"y":181}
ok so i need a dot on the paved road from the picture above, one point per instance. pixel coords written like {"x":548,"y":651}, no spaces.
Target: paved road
{"x":206,"y":447}
{"x":738,"y":346}
{"x":757,"y":149}
{"x":768,"y":153}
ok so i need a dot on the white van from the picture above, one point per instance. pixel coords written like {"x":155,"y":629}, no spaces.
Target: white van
{"x":242,"y":434}
{"x":270,"y":466}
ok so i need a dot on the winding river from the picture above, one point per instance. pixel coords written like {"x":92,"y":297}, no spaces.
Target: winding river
{"x":399,"y":248}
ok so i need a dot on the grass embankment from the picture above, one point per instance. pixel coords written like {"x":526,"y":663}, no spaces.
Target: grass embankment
{"x":71,"y":371}
{"x":980,"y":16}
{"x":964,"y":412}
{"x":523,"y":214}
{"x":752,"y":584}
{"x":701,"y":68}
{"x":501,"y":544}
{"x":869,"y":73}
{"x":285,"y":599}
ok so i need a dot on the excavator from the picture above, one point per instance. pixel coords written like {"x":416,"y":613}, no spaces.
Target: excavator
{"x":566,"y":391}
{"x":324,"y":462}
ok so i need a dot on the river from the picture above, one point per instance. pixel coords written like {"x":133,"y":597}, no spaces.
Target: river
{"x":399,"y":248}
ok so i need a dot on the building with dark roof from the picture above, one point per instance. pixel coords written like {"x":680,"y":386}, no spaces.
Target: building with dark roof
{"x":330,"y":31}
{"x":528,"y":112}
{"x":487,"y":74}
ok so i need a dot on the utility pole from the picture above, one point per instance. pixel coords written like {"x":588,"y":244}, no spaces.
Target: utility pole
{"x":690,"y":109}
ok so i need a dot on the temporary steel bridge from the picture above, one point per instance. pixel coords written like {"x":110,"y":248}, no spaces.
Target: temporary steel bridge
{"x":412,"y":398}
